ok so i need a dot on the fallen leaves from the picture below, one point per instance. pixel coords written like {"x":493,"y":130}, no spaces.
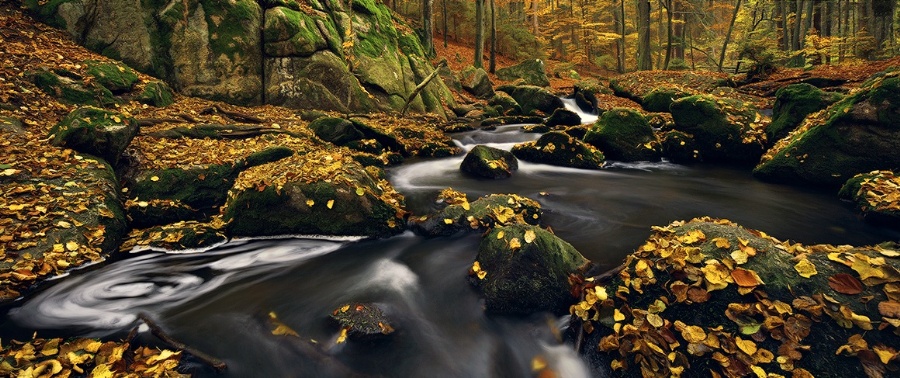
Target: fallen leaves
{"x":845,"y":284}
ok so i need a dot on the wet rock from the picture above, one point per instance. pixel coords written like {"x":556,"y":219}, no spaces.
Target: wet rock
{"x":792,"y":104}
{"x":558,"y":148}
{"x":510,"y":120}
{"x":156,"y":93}
{"x":530,"y":71}
{"x":562,"y":117}
{"x":361,"y":322}
{"x":339,"y":197}
{"x":356,"y":135}
{"x":585,"y":94}
{"x":476,"y":81}
{"x":95,"y":131}
{"x":855,"y":135}
{"x":679,"y":147}
{"x":724,"y":130}
{"x":505,"y":104}
{"x":523,"y":269}
{"x":70,"y":88}
{"x":624,"y":135}
{"x":875,"y":195}
{"x":482,"y":214}
{"x":489,"y":162}
{"x":178,"y":236}
{"x":532,"y":98}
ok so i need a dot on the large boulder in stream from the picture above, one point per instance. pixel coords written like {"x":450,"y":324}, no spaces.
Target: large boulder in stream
{"x":562,"y":117}
{"x":476,"y":81}
{"x":711,"y":297}
{"x":725,"y":130}
{"x":530,"y":71}
{"x":876,"y":195}
{"x":95,"y":131}
{"x":792,"y":104}
{"x":485,"y":213}
{"x":561,"y":149}
{"x":624,"y":135}
{"x":533,"y":98}
{"x":523,"y":269}
{"x":489,"y":162}
{"x":858,"y":134}
{"x":319,"y":193}
{"x":361,"y":322}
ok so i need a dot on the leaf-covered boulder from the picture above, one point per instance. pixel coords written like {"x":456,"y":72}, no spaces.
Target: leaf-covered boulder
{"x":562,"y":117}
{"x":725,"y":130}
{"x":117,"y":78}
{"x":361,"y":322}
{"x":476,"y":81}
{"x":530,"y":71}
{"x":659,"y":99}
{"x":488,"y":162}
{"x":876,"y":195}
{"x":505,"y":104}
{"x":523,"y":269}
{"x":70,"y":88}
{"x":487,"y":212}
{"x":95,"y":131}
{"x":792,"y":104}
{"x":356,"y":135}
{"x":156,"y":93}
{"x":679,"y":147}
{"x":178,"y":236}
{"x":558,"y":148}
{"x":857,"y":134}
{"x":625,"y":135}
{"x":533,"y":98}
{"x":317,"y":193}
{"x":709,"y":296}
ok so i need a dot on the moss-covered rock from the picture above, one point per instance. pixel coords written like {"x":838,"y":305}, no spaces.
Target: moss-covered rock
{"x":624,"y":135}
{"x":636,"y":85}
{"x":532,"y":98}
{"x":876,"y":195}
{"x":659,"y":99}
{"x":356,"y":135}
{"x":321,"y":81}
{"x":858,"y":134}
{"x":679,"y":147}
{"x":709,"y":295}
{"x":558,"y":148}
{"x":505,"y":104}
{"x":316,"y":193}
{"x":178,"y":236}
{"x":95,"y":131}
{"x":476,"y":81}
{"x":489,"y":162}
{"x":523,"y":269}
{"x":156,"y":93}
{"x":510,"y":120}
{"x":585,"y":94}
{"x":289,"y":32}
{"x":117,"y":78}
{"x":361,"y":322}
{"x":69,"y":87}
{"x":531,"y":71}
{"x":485,"y":213}
{"x":725,"y":130}
{"x":792,"y":104}
{"x":562,"y":117}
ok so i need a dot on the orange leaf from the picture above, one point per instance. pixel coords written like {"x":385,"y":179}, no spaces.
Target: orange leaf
{"x":845,"y":284}
{"x":745,"y":278}
{"x":889,"y":308}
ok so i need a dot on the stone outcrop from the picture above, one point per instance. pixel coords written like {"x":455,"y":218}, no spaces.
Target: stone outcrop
{"x":530,"y":71}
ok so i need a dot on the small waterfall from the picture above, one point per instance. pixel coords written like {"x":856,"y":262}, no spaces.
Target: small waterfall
{"x":586,"y":118}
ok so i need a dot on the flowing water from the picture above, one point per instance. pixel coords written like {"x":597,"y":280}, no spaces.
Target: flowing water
{"x":219,"y":301}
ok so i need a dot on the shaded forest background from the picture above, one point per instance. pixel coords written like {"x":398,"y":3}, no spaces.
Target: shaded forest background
{"x":617,"y":36}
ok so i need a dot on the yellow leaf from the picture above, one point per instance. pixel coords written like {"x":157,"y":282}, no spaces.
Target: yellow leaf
{"x":360,"y":191}
{"x":722,"y":243}
{"x":345,"y":308}
{"x":618,"y":315}
{"x":529,"y":236}
{"x":143,"y":203}
{"x":342,"y":337}
{"x":101,"y":371}
{"x":747,"y":346}
{"x":805,"y":268}
{"x":154,"y":178}
{"x":600,"y":292}
{"x":693,"y":334}
{"x":655,"y":320}
{"x":514,"y":244}
{"x":448,"y":221}
{"x":885,"y":353}
{"x":538,"y":363}
{"x":330,"y":203}
{"x":500,"y":235}
{"x":58,"y":248}
{"x":465,"y":205}
{"x":310,"y":203}
{"x":71,"y":246}
{"x":481,"y":274}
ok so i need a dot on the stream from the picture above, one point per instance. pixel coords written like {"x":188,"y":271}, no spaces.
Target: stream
{"x":218,"y":301}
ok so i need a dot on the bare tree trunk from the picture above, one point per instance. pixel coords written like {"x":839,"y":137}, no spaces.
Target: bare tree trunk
{"x":669,"y":31}
{"x":785,"y":26}
{"x":737,"y":9}
{"x":644,"y":61}
{"x":807,"y":21}
{"x":444,"y":3}
{"x":479,"y":34}
{"x":534,"y":17}
{"x":428,"y":26}
{"x":619,"y":22}
{"x":492,"y":66}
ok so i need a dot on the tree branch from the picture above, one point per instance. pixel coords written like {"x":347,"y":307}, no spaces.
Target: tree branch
{"x":157,"y":331}
{"x":421,"y":86}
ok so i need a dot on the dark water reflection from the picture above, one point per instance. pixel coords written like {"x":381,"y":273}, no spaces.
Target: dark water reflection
{"x":218,"y":301}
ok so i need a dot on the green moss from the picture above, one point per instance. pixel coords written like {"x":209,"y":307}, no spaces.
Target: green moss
{"x":723,"y":129}
{"x":157,"y":93}
{"x":231,"y":25}
{"x":71,"y":91}
{"x":557,"y":148}
{"x":659,"y":99}
{"x":118,"y":78}
{"x":47,"y":12}
{"x":625,"y":135}
{"x":95,"y":131}
{"x":792,"y":104}
{"x":679,"y":147}
{"x":291,"y":33}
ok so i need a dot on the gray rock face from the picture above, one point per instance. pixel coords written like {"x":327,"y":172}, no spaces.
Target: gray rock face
{"x":475,"y":81}
{"x":489,"y":162}
{"x":530,"y":71}
{"x":95,"y":131}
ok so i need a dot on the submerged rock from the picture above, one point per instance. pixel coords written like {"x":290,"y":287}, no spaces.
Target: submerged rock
{"x":523,"y":269}
{"x":558,"y":148}
{"x":361,"y":322}
{"x":876,"y":195}
{"x":482,"y":214}
{"x":679,"y":147}
{"x":489,"y":162}
{"x":530,"y":71}
{"x":858,"y":134}
{"x":725,"y":130}
{"x":95,"y":131}
{"x":624,"y":135}
{"x":792,"y":104}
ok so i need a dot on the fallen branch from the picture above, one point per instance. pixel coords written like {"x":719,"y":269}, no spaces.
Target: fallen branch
{"x":237,"y":116}
{"x":188,"y":117}
{"x":157,"y":121}
{"x":157,"y":331}
{"x":607,"y":275}
{"x":421,"y":86}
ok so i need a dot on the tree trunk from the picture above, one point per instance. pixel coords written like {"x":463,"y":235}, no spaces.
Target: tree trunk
{"x":785,"y":29}
{"x":798,"y":25}
{"x":644,"y":61}
{"x":427,"y":25}
{"x":737,"y":9}
{"x":479,"y":34}
{"x":534,"y":17}
{"x":444,"y":3}
{"x":492,"y":66}
{"x":669,"y":33}
{"x":807,"y":22}
{"x":619,"y":19}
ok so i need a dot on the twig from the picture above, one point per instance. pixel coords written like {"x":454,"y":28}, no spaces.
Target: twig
{"x":605,"y":276}
{"x":421,"y":86}
{"x":157,"y":331}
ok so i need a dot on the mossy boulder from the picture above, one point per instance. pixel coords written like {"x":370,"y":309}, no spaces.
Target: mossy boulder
{"x":561,"y":149}
{"x":485,"y":213}
{"x":362,"y":321}
{"x":70,"y":88}
{"x":117,"y":78}
{"x":625,"y":135}
{"x":356,"y":135}
{"x":523,"y":269}
{"x":792,"y":104}
{"x":488,"y":162}
{"x":313,"y":194}
{"x":876,"y":196}
{"x":505,"y":104}
{"x":533,"y":99}
{"x":679,"y":147}
{"x":585,"y":94}
{"x":289,"y":32}
{"x":562,"y":117}
{"x":95,"y":131}
{"x":530,"y":71}
{"x":659,"y":99}
{"x":156,"y":93}
{"x":179,"y":236}
{"x":321,"y":81}
{"x":858,"y":134}
{"x":476,"y":81}
{"x":725,"y":130}
{"x":713,"y":296}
